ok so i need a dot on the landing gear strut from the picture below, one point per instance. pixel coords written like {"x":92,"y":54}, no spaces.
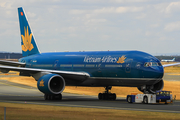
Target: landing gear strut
{"x":106,"y":95}
{"x":53,"y":97}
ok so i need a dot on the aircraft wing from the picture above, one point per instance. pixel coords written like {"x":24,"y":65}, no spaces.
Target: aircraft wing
{"x":32,"y":71}
{"x":168,"y":65}
{"x":12,"y":63}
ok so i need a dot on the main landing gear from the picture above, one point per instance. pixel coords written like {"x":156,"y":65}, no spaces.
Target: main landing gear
{"x":53,"y":97}
{"x":106,"y":95}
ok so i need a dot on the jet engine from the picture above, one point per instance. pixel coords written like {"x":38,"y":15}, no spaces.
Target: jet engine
{"x":152,"y":88}
{"x":51,"y":84}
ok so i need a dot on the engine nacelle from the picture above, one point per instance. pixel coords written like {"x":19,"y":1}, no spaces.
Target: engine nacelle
{"x":51,"y":84}
{"x":153,"y":88}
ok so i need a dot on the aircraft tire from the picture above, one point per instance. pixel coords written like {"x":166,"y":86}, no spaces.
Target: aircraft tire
{"x":100,"y":96}
{"x":59,"y":97}
{"x":52,"y":97}
{"x":114,"y":96}
{"x":106,"y":96}
{"x":111,"y":96}
{"x":49,"y":97}
{"x":45,"y":97}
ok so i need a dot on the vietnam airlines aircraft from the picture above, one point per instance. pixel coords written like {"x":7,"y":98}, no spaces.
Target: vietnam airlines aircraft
{"x":54,"y":71}
{"x":165,"y":60}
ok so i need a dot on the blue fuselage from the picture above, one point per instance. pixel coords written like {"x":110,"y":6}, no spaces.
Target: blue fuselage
{"x":113,"y":64}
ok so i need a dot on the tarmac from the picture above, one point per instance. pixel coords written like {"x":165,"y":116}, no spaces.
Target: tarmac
{"x":17,"y":93}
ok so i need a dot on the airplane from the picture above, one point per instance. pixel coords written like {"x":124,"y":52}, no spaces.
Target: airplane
{"x":165,"y":60}
{"x":54,"y":71}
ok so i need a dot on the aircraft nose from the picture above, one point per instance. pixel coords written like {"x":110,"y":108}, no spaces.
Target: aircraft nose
{"x":160,"y":71}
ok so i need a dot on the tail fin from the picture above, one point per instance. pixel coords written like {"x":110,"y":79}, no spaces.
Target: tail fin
{"x":28,"y":43}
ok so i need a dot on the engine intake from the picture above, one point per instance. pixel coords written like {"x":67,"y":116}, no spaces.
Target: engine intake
{"x":51,"y":84}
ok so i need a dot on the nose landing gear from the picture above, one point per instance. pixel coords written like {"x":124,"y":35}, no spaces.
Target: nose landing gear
{"x":107,"y":95}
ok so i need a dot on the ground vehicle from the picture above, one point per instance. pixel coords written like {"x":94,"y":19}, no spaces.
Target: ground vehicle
{"x":160,"y":96}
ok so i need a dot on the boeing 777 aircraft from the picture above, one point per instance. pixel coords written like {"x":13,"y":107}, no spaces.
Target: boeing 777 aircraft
{"x":54,"y":71}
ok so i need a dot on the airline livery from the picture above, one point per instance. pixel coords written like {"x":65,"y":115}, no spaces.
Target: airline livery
{"x":54,"y":71}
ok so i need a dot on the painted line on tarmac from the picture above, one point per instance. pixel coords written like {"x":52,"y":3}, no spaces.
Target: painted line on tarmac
{"x":85,"y":106}
{"x":20,"y":95}
{"x":17,"y":86}
{"x":9,"y":94}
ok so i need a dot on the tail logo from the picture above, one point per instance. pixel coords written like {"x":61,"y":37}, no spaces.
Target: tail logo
{"x":26,"y":39}
{"x":121,"y":59}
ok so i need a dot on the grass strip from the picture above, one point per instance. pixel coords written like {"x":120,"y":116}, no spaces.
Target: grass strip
{"x":44,"y":112}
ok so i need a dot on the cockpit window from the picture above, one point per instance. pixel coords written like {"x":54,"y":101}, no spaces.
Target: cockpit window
{"x":159,"y":64}
{"x":148,"y":64}
{"x":154,"y":64}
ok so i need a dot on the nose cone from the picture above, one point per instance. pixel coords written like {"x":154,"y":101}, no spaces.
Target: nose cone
{"x":160,"y":71}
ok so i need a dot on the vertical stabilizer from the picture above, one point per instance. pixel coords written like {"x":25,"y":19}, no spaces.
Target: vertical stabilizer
{"x":28,"y":43}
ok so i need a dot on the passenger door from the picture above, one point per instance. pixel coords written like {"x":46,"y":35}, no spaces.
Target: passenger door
{"x":128,"y":66}
{"x":56,"y":65}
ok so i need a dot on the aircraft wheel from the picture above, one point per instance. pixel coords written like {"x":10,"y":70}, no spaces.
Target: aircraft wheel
{"x":57,"y":97}
{"x":145,"y":100}
{"x":100,"y":96}
{"x":104,"y":96}
{"x":60,"y":97}
{"x":48,"y":97}
{"x":45,"y":96}
{"x":111,"y":96}
{"x":114,"y":96}
{"x":52,"y":97}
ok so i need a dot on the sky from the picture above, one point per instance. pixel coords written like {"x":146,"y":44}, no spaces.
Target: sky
{"x":152,"y":26}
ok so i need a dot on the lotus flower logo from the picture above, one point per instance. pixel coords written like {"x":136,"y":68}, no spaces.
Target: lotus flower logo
{"x":41,"y":83}
{"x":27,"y":45}
{"x":121,"y":59}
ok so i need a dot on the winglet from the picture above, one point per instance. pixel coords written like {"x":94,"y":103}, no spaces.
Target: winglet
{"x":28,"y":43}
